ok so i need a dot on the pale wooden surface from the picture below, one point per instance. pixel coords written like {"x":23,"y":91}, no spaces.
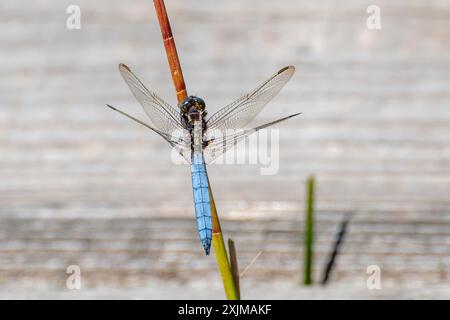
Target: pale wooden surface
{"x":82,"y":185}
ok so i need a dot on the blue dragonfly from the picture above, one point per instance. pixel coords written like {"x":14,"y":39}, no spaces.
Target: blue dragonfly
{"x":199,"y":138}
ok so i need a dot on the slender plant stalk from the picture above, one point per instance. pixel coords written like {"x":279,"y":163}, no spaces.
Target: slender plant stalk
{"x":309,"y":232}
{"x":336,"y":247}
{"x":234,"y":265}
{"x":171,"y":50}
{"x":223,"y":263}
{"x":180,"y":88}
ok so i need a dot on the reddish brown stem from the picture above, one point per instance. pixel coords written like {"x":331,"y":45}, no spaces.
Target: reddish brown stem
{"x":171,"y":50}
{"x":180,"y":87}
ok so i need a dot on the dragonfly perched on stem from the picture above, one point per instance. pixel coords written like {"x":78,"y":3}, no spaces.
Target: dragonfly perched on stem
{"x":200,"y":138}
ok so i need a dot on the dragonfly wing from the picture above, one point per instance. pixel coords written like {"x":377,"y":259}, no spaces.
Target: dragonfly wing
{"x":181,"y":142}
{"x":164,"y":117}
{"x":239,"y":113}
{"x":178,"y":139}
{"x":219,"y":145}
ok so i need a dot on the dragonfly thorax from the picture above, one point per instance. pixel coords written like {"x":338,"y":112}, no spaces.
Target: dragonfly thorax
{"x":192,"y":109}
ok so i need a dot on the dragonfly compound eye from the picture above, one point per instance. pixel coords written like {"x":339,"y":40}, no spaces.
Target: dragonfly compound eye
{"x":185,"y":105}
{"x":200,"y":103}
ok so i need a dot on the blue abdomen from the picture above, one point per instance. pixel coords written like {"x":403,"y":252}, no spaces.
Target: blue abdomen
{"x":201,"y":201}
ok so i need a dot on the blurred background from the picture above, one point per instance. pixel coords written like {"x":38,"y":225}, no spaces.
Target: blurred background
{"x":81,"y":185}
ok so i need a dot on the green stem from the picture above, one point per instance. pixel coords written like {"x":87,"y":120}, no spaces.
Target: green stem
{"x":309,"y":232}
{"x":234,"y":265}
{"x":229,"y":285}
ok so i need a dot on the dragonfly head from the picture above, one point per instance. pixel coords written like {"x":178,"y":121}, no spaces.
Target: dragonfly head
{"x":192,"y":107}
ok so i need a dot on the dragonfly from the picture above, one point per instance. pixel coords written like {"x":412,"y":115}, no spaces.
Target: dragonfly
{"x":200,"y":138}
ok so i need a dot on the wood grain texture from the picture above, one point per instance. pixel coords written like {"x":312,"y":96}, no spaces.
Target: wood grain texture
{"x":82,"y":185}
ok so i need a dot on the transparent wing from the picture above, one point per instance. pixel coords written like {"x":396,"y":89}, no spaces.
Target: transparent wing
{"x":218,"y":146}
{"x":178,"y":139}
{"x":164,"y":117}
{"x":239,"y":113}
